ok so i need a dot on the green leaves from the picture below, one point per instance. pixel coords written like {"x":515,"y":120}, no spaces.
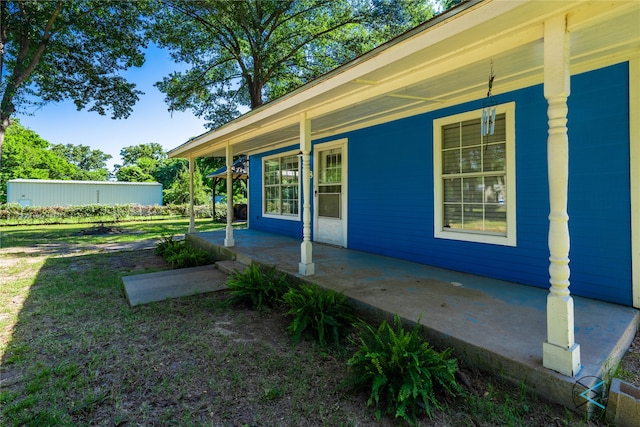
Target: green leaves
{"x":72,"y":49}
{"x":322,"y":315}
{"x":28,"y":156}
{"x":258,"y":288}
{"x":319,"y":313}
{"x":402,"y":372}
{"x":180,"y":254}
{"x":242,"y":54}
{"x":91,"y":165}
{"x":178,"y":192}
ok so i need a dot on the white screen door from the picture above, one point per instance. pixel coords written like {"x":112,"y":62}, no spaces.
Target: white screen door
{"x":330,"y":222}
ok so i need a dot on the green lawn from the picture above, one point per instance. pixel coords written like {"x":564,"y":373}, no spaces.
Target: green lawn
{"x":24,"y":235}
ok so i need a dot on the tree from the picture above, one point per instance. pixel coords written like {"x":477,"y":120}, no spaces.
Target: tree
{"x":69,"y":49}
{"x":243,"y":53}
{"x":178,"y":192}
{"x":91,"y":165}
{"x":131,"y":155}
{"x":27,"y":156}
{"x":133,"y":173}
{"x":167,"y":171}
{"x":140,"y":162}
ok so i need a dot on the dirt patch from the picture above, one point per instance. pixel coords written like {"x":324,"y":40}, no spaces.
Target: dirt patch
{"x":630,"y":364}
{"x":100,"y":230}
{"x":41,"y":251}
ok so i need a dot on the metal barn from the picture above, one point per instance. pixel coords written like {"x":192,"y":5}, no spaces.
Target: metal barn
{"x":38,"y":192}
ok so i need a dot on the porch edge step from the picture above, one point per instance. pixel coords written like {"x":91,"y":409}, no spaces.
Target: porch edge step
{"x":243,"y":259}
{"x":230,"y":267}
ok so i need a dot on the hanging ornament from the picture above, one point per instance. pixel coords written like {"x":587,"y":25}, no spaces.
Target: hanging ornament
{"x":489,"y":106}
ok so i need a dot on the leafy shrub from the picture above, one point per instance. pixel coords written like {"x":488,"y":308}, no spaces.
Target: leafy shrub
{"x":323,"y":314}
{"x":166,"y":244}
{"x":187,"y":256}
{"x":180,"y":254}
{"x":258,"y":288}
{"x":401,"y":370}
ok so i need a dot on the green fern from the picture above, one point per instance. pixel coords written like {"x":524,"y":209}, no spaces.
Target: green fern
{"x":187,"y":256}
{"x":322,"y":314}
{"x":258,"y":288}
{"x":180,"y":254}
{"x":165,"y":244}
{"x":402,"y":371}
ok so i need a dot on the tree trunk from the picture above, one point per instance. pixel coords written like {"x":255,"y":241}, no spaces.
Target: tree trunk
{"x":255,"y":92}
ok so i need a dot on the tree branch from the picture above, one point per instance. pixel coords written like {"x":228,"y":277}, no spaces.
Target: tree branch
{"x":19,"y":78}
{"x":299,"y":46}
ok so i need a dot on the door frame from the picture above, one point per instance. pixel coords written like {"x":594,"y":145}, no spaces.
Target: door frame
{"x":317,"y":148}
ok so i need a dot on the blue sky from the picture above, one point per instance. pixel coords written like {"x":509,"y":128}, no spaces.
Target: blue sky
{"x":61,"y":123}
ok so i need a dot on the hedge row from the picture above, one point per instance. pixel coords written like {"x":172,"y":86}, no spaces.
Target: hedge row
{"x":16,"y":214}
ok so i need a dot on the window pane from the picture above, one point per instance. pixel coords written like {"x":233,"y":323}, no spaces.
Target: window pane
{"x":272,"y":199}
{"x":452,"y":217}
{"x":473,"y":217}
{"x":451,"y":161}
{"x":471,"y":159}
{"x":495,"y":219}
{"x":473,"y":190}
{"x":290,"y":172}
{"x":330,"y":167}
{"x":452,"y":190}
{"x":471,"y":132}
{"x":289,"y":177}
{"x":290,"y":200}
{"x":271,"y":172}
{"x":494,"y":157}
{"x":494,"y":190}
{"x":451,"y":136}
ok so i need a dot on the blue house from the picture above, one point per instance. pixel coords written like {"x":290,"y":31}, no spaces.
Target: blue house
{"x":500,"y":139}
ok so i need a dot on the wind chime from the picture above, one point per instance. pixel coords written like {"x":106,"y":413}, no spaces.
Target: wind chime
{"x":489,"y":107}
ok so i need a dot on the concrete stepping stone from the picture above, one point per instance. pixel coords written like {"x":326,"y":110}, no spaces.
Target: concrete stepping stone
{"x":161,"y":285}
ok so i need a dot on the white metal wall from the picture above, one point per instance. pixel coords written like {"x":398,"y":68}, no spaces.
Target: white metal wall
{"x":33,"y":192}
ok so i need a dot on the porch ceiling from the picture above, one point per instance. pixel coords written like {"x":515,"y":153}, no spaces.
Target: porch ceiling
{"x":444,"y":62}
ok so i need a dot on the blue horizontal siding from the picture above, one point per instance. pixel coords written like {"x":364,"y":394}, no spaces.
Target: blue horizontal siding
{"x":390,"y":188}
{"x":599,"y":197}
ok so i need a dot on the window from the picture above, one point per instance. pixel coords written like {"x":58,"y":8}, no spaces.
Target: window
{"x":330,"y":183}
{"x":474,"y":178}
{"x":281,"y":186}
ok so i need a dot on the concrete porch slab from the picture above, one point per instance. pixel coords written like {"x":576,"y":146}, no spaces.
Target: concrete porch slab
{"x":494,"y":325}
{"x":161,"y":285}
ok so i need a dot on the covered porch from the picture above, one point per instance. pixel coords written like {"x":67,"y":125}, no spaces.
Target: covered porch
{"x":441,"y":64}
{"x":493,"y":325}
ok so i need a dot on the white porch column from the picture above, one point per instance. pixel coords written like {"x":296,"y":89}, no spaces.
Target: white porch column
{"x":306,"y":266}
{"x":228,"y":240}
{"x":192,"y":221}
{"x":560,"y":352}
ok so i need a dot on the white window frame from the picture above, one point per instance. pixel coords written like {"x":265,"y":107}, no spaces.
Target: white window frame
{"x":288,"y":217}
{"x":441,"y":232}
